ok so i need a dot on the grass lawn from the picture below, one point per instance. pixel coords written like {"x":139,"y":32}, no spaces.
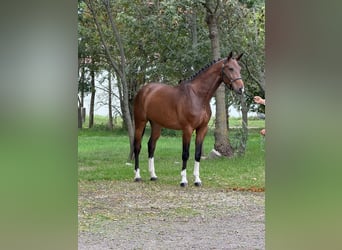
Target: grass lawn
{"x":102,"y":155}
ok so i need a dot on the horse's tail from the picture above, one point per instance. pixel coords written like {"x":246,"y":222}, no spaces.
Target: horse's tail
{"x":137,"y":112}
{"x":131,"y":154}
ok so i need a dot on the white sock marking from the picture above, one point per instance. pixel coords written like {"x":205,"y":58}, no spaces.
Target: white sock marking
{"x":151,"y":167}
{"x":183,"y":174}
{"x":196,"y":172}
{"x":137,"y":174}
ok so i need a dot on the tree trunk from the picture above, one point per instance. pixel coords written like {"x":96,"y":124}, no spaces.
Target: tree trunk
{"x":81,"y":101}
{"x":126,"y":106}
{"x":79,"y":114}
{"x":244,"y":136}
{"x":83,"y":114}
{"x":193,"y":25}
{"x":222,"y":143}
{"x":79,"y":118}
{"x":110,"y":111}
{"x":92,"y":98}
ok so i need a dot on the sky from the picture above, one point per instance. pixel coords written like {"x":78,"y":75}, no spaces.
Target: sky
{"x":102,"y":110}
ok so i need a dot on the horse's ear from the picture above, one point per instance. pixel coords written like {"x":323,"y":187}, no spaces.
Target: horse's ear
{"x":230,"y":55}
{"x":238,"y":58}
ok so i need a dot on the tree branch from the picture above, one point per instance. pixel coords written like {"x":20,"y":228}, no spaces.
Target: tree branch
{"x":254,"y":78}
{"x":118,"y":38}
{"x":217,"y":6}
{"x":92,"y":10}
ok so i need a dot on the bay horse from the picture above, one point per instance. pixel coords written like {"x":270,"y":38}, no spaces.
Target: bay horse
{"x":183,"y":107}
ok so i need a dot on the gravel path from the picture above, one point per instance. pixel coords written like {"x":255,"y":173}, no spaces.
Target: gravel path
{"x":128,"y":215}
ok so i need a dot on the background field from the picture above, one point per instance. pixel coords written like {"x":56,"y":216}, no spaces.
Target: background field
{"x":103,"y":154}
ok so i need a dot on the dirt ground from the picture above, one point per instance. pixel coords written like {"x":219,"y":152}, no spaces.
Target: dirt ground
{"x":124,"y":215}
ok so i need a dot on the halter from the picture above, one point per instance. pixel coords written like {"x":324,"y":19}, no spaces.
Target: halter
{"x":230,"y":80}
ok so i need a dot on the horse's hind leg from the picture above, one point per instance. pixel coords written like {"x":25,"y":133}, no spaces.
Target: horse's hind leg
{"x":185,"y":155}
{"x":155,"y":134}
{"x":139,"y":132}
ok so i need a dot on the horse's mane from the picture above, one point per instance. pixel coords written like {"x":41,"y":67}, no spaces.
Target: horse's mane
{"x":189,"y":79}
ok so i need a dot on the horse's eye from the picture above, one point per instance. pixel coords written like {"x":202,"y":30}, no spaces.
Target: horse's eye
{"x":231,"y":69}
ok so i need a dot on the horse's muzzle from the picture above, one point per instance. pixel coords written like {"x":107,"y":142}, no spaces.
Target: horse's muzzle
{"x":237,"y":85}
{"x":239,"y":89}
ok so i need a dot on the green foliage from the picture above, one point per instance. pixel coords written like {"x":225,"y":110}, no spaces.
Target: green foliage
{"x":101,"y":126}
{"x":158,"y":40}
{"x":168,"y":40}
{"x":89,"y":52}
{"x":243,"y":30}
{"x":103,"y":156}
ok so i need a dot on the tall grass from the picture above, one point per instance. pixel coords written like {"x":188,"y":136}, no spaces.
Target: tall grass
{"x":102,"y":155}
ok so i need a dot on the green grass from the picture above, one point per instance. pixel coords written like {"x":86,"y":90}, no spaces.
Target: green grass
{"x":102,"y":155}
{"x":101,"y":122}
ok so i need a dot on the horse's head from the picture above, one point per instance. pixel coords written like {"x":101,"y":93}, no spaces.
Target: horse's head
{"x":231,"y":73}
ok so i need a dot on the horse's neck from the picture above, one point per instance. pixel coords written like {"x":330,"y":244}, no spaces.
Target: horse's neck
{"x":206,"y":84}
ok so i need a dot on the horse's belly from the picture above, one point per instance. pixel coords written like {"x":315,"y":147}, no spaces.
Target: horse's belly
{"x":164,"y":118}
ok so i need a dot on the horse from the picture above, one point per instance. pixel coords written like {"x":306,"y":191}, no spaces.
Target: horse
{"x":182,"y":107}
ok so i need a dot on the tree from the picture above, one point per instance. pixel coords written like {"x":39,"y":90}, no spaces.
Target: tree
{"x":119,"y":65}
{"x":222,"y":144}
{"x":166,"y":41}
{"x":110,"y":110}
{"x":92,"y":97}
{"x":89,"y":57}
{"x":242,"y":27}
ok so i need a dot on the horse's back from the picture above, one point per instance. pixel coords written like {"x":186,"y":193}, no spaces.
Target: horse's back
{"x":155,"y":86}
{"x":158,"y":102}
{"x":155,"y":93}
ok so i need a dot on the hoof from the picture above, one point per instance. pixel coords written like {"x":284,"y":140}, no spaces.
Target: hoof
{"x":198,"y":184}
{"x":183,"y":184}
{"x":154,"y":178}
{"x":137,"y":179}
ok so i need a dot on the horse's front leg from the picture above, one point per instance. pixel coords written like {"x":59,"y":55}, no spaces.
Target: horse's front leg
{"x":185,"y":156}
{"x":200,"y":134}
